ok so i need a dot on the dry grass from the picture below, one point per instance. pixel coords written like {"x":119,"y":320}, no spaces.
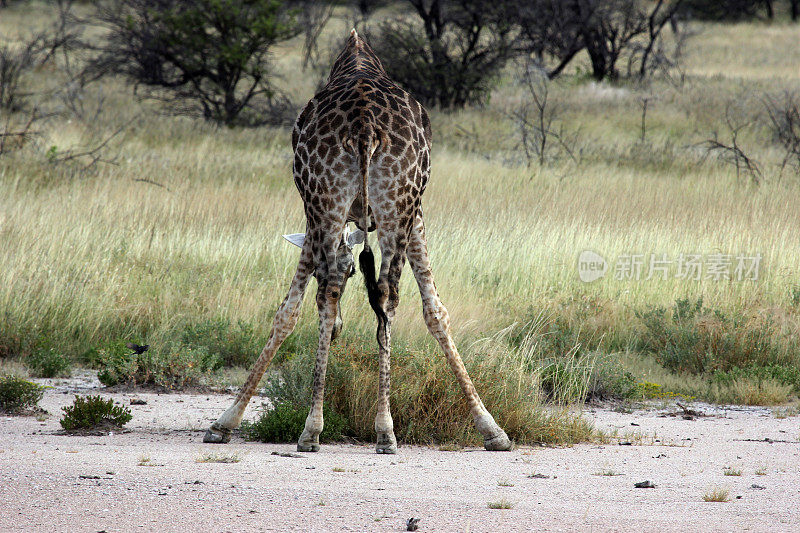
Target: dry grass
{"x":89,"y":257}
{"x":502,"y":503}
{"x":717,"y":494}
{"x":214,"y":457}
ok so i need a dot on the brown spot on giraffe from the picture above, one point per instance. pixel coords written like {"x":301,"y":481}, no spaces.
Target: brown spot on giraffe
{"x":362,"y":155}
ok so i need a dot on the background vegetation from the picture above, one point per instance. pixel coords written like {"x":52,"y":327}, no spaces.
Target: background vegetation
{"x":120,"y":221}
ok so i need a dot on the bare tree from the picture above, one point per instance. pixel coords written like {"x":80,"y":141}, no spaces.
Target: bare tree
{"x":606,"y":29}
{"x":784,"y":121}
{"x":18,"y":59}
{"x":731,"y":151}
{"x":540,"y":133}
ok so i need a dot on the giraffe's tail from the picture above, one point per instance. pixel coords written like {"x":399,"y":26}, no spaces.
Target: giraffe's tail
{"x":366,"y":145}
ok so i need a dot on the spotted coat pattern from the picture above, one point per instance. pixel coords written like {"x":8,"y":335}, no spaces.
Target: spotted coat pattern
{"x":361,"y":155}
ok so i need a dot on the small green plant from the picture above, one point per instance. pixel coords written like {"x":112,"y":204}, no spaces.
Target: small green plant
{"x":717,"y":494}
{"x":338,"y":469}
{"x":18,"y":396}
{"x":285,"y":423}
{"x":211,"y":457}
{"x":504,"y":483}
{"x":47,"y":362}
{"x":94,"y":412}
{"x":502,"y":503}
{"x":607,"y":472}
{"x":762,"y":471}
{"x":731,"y":471}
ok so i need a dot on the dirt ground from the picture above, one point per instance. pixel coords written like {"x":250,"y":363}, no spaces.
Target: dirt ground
{"x":149,"y":479}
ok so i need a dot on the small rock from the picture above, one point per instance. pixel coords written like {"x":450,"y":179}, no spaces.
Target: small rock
{"x":411,"y":524}
{"x":757,"y":487}
{"x":138,"y":401}
{"x":647,"y":484}
{"x":286,"y":454}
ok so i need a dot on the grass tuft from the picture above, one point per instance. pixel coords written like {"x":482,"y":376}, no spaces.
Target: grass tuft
{"x":214,"y":457}
{"x":717,"y":494}
{"x":502,"y":503}
{"x":731,"y":471}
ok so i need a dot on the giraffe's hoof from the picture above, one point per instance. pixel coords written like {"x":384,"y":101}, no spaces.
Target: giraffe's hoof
{"x":217,"y":435}
{"x":307,"y":446}
{"x":498,"y":443}
{"x":386,"y":443}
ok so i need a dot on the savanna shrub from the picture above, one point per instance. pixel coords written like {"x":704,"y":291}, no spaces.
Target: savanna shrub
{"x":692,"y":338}
{"x":172,"y":367}
{"x":285,"y":423}
{"x":18,"y":395}
{"x":236,"y":344}
{"x":47,"y":362}
{"x":94,"y":412}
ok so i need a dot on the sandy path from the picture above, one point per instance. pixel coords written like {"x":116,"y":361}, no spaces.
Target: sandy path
{"x":41,"y":488}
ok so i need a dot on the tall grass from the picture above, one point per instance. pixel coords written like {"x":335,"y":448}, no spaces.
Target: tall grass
{"x":92,"y":257}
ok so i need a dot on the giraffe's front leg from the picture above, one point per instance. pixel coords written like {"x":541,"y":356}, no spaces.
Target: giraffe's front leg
{"x":283,"y":324}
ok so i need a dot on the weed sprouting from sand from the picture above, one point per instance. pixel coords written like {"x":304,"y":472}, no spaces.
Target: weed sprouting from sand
{"x":731,"y":471}
{"x":607,"y":472}
{"x":218,"y":457}
{"x":717,"y":494}
{"x":504,"y":483}
{"x":502,"y":503}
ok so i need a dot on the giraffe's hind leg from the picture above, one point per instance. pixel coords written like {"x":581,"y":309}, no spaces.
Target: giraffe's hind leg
{"x":393,"y":241}
{"x":283,"y":324}
{"x":438,"y":322}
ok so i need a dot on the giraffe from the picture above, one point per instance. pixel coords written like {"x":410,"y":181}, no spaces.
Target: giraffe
{"x":361,"y":155}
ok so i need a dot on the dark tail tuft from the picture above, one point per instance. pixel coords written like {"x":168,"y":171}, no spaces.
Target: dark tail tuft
{"x":366,"y":261}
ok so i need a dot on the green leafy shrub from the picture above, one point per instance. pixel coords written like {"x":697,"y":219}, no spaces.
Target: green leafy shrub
{"x":783,"y":374}
{"x":237,"y":344}
{"x":285,"y":423}
{"x":172,"y":367}
{"x":93,"y":412}
{"x":694,"y":339}
{"x":18,"y":395}
{"x":47,"y":362}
